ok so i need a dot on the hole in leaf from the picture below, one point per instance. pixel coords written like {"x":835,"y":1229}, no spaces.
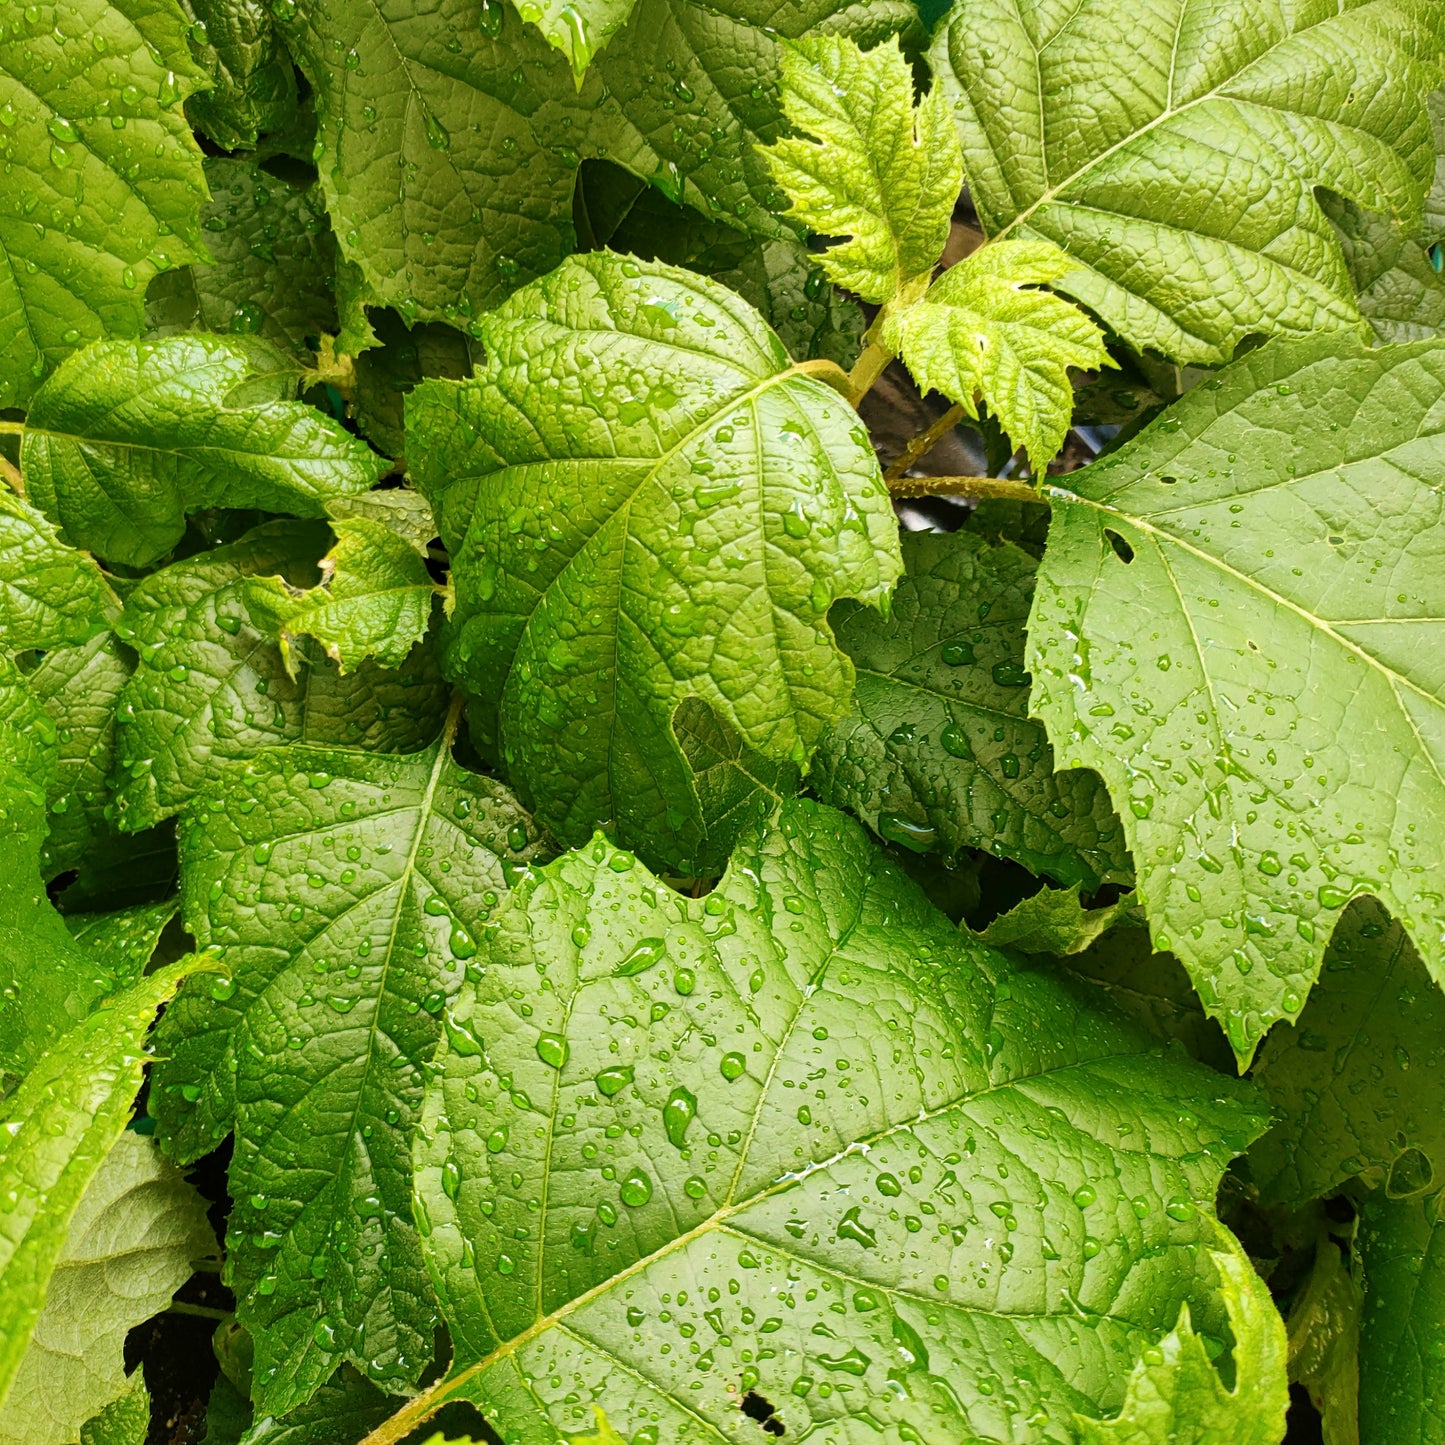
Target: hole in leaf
{"x":758,"y":1407}
{"x":1411,"y":1173}
{"x":1122,"y":550}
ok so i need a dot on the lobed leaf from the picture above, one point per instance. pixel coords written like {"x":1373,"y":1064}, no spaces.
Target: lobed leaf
{"x":1055,"y":921}
{"x":578,"y":28}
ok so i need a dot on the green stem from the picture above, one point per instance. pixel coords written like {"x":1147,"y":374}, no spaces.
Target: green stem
{"x":966,"y":487}
{"x":923,"y":443}
{"x":11,"y":474}
{"x":12,"y":428}
{"x":201,"y":1312}
{"x":868,"y":368}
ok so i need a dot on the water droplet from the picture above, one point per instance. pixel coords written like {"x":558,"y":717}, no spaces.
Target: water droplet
{"x":733,"y":1066}
{"x":613,"y":1081}
{"x":636,"y":1189}
{"x":679,"y":1111}
{"x":643,"y":956}
{"x":552,"y":1049}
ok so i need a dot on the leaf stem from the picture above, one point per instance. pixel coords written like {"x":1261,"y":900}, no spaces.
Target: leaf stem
{"x":828,"y":372}
{"x":867,"y":369}
{"x":201,"y":1312}
{"x":980,"y":487}
{"x":11,"y":473}
{"x":12,"y":428}
{"x":923,"y":443}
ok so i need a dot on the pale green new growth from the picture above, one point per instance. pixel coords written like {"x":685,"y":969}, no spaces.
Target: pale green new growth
{"x":984,"y":334}
{"x":1173,"y":148}
{"x":865,"y":163}
{"x":1176,"y":1395}
{"x":578,"y":28}
{"x":132,"y":1242}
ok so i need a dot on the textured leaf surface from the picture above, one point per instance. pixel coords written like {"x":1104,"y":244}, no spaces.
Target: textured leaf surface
{"x":61,"y":1123}
{"x":125,"y":940}
{"x":1324,"y":1344}
{"x":127,"y":437}
{"x":210,"y":688}
{"x":1172,"y":147}
{"x":984,"y":332}
{"x":807,"y":1125}
{"x":484,"y":127}
{"x":253,"y":84}
{"x":721,"y":502}
{"x":50,"y":594}
{"x":1401,"y":1249}
{"x":577,"y":29}
{"x":938,"y":751}
{"x":1357,"y":1081}
{"x":102,"y":176}
{"x":865,"y":163}
{"x":342,"y":1411}
{"x":132,"y":1242}
{"x":1054,"y":920}
{"x":345,"y":891}
{"x":1181,"y":1398}
{"x":126,"y":1420}
{"x":1259,"y":685}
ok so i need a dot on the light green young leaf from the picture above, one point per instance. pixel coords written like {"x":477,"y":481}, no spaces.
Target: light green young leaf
{"x":124,"y":940}
{"x":1401,"y":1251}
{"x":132,"y":1241}
{"x":718,"y":502}
{"x":118,"y":202}
{"x":983,"y":334}
{"x":1238,"y":623}
{"x":865,"y":163}
{"x":578,"y":28}
{"x":1357,"y":1082}
{"x":1174,"y":150}
{"x":1324,"y":1344}
{"x":479,"y":199}
{"x":126,"y":1420}
{"x":1176,"y":1395}
{"x":50,"y":594}
{"x":374,"y":599}
{"x":938,"y":751}
{"x":210,"y":688}
{"x":253,"y":83}
{"x":273,"y":259}
{"x":61,"y":1123}
{"x":345,"y":891}
{"x":1054,"y":921}
{"x":128,"y":437}
{"x":768,"y":1087}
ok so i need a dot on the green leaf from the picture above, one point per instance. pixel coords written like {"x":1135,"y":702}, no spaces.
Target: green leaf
{"x":1054,"y":920}
{"x":127,"y":437}
{"x":272,"y":255}
{"x":126,"y":939}
{"x":983,"y":334}
{"x":397,"y":360}
{"x":398,"y":509}
{"x":1174,"y":152}
{"x":1262,"y":699}
{"x":345,"y":892}
{"x":91,"y":130}
{"x":938,"y":750}
{"x":132,"y":1241}
{"x":62,"y":1122}
{"x":865,"y":163}
{"x":486,"y":138}
{"x":1356,"y":1082}
{"x":210,"y":688}
{"x":126,"y":1420}
{"x":341,"y":1412}
{"x":578,"y":28}
{"x":1176,"y":1395}
{"x":1324,"y":1344}
{"x":807,"y":1124}
{"x":718,"y":502}
{"x":50,"y":594}
{"x":253,"y":84}
{"x":374,"y":599}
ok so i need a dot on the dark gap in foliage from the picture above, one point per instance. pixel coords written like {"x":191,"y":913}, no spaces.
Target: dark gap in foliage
{"x":1122,"y":550}
{"x":760,"y":1408}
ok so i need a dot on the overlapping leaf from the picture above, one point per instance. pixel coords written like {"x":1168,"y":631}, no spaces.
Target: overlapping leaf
{"x":808,"y":1126}
{"x":253,"y":84}
{"x":50,"y":594}
{"x":718,"y":502}
{"x":578,"y":28}
{"x":1173,"y":150}
{"x":1238,"y":623}
{"x":345,"y":891}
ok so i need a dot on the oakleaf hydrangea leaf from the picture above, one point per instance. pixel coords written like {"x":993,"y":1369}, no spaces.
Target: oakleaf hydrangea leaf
{"x":578,"y":28}
{"x":128,"y":437}
{"x":345,"y":1409}
{"x":1238,"y":624}
{"x":984,"y":333}
{"x":50,"y":594}
{"x":374,"y":599}
{"x":253,"y":83}
{"x":1179,"y":170}
{"x":864,"y":162}
{"x":210,"y":688}
{"x":1176,"y":1395}
{"x":1055,"y":921}
{"x":719,"y":501}
{"x":131,"y":1243}
{"x":398,"y":509}
{"x":1356,"y":1083}
{"x":914,"y":1157}
{"x":126,"y":1420}
{"x":102,"y":175}
{"x":938,"y":752}
{"x":346,"y":892}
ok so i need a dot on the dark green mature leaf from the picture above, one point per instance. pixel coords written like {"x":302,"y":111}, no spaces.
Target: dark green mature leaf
{"x":131,"y":1243}
{"x":341,"y":1412}
{"x":210,"y":688}
{"x":61,"y":1124}
{"x":485,"y":127}
{"x":719,"y":502}
{"x":102,"y":176}
{"x":1259,"y":682}
{"x":128,"y":437}
{"x":50,"y":594}
{"x":126,"y":1420}
{"x":809,"y":1126}
{"x":387,"y":371}
{"x":938,"y":751}
{"x":253,"y":84}
{"x":1401,"y":1246}
{"x":1173,"y":150}
{"x":1357,"y":1081}
{"x":345,"y":891}
{"x":273,"y":261}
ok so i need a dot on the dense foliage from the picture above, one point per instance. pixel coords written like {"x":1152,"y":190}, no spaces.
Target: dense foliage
{"x":535,"y":909}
